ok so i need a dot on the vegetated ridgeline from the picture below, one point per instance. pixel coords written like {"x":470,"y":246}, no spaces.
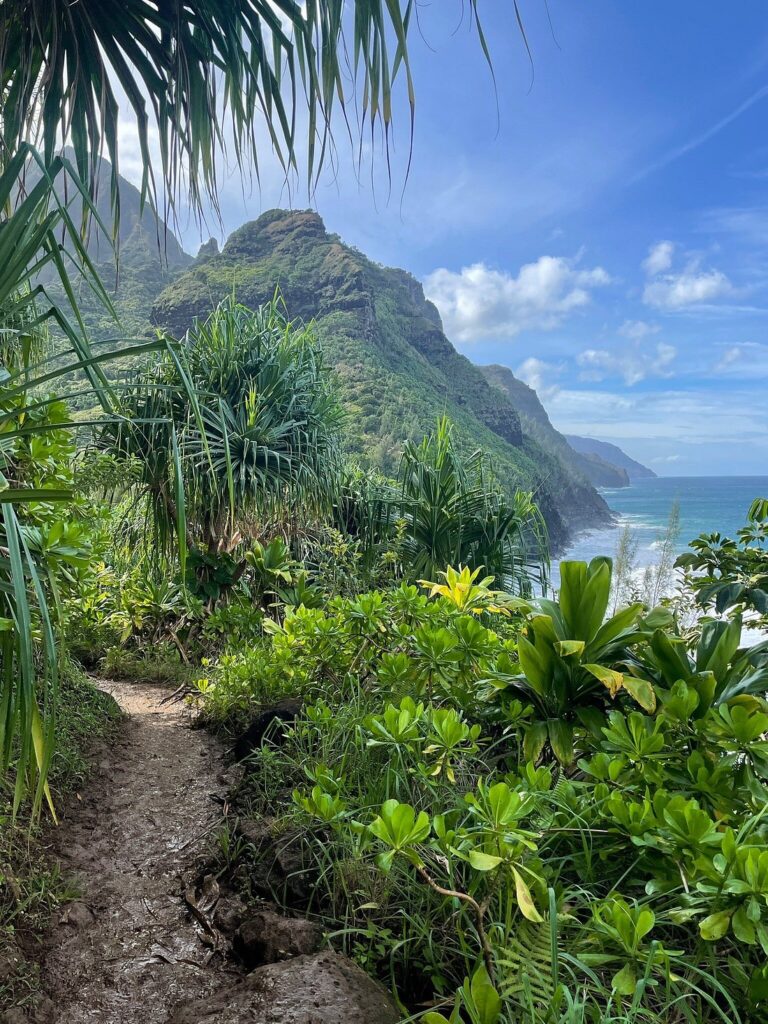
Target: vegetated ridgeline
{"x":147,"y":939}
{"x":398,"y":370}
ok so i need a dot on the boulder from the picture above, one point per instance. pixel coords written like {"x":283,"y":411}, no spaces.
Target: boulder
{"x":325,"y":988}
{"x":229,"y":914}
{"x":267,"y":937}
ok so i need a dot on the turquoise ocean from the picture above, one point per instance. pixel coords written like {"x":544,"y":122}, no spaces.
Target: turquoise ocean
{"x":707,"y":504}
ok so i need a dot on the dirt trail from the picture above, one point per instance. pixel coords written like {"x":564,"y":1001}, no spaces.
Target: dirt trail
{"x":130,"y":950}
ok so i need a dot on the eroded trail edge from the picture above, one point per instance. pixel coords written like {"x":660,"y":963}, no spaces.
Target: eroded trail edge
{"x":129,"y":943}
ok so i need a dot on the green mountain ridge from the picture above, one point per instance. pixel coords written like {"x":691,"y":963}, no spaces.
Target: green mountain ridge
{"x":604,"y":450}
{"x":598,"y":471}
{"x":149,"y":256}
{"x":398,"y":371}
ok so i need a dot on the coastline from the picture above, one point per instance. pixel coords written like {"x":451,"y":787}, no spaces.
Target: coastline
{"x":705,"y":504}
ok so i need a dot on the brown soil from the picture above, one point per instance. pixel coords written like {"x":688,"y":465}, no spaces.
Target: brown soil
{"x":130,"y":949}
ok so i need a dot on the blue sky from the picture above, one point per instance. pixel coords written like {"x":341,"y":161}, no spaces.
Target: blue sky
{"x":607,"y":236}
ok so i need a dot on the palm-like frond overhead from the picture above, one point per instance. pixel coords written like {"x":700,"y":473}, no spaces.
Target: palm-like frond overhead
{"x":207,"y":76}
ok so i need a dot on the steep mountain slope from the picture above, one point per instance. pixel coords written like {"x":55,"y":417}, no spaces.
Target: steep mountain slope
{"x":149,"y":257}
{"x":398,"y":370}
{"x":536,"y":423}
{"x":589,"y":446}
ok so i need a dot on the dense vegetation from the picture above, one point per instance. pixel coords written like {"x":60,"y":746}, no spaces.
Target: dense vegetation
{"x":509,"y":806}
{"x":558,"y":799}
{"x":396,"y":368}
{"x":564,"y":806}
{"x":536,"y":423}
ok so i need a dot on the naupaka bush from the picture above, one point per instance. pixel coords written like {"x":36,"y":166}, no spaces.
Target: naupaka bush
{"x":564,"y":809}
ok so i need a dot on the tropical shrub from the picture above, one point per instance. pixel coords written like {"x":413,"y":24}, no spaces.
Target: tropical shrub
{"x":731,"y":576}
{"x":469,"y":866}
{"x":454,"y":514}
{"x":241,"y":436}
{"x":571,"y":659}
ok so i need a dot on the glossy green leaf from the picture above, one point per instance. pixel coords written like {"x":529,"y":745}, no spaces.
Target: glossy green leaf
{"x":715,"y":926}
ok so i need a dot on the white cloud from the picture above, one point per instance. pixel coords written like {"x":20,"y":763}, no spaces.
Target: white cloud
{"x":632,"y":364}
{"x":479,"y":302}
{"x":538,"y":375}
{"x":659,"y":258}
{"x":748,"y":360}
{"x":689,"y":288}
{"x":637,"y":329}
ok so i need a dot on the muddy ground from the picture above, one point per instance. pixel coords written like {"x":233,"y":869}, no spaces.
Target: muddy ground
{"x":141,"y":944}
{"x":130,"y":949}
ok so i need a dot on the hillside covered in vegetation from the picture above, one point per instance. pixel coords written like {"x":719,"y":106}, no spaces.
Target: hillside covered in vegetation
{"x":399,"y":371}
{"x":591,"y":448}
{"x":346,"y":754}
{"x":601,"y":472}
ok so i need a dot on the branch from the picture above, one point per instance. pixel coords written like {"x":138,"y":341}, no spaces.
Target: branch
{"x":478,"y":912}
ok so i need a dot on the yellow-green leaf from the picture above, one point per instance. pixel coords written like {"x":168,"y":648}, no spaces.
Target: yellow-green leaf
{"x":483,"y":861}
{"x":642,"y":691}
{"x":625,"y":981}
{"x":609,"y":677}
{"x":715,"y":926}
{"x":525,"y":900}
{"x":565,"y":648}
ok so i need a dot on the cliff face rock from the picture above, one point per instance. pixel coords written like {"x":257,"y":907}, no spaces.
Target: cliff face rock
{"x":591,"y":448}
{"x":536,"y":422}
{"x":398,"y":370}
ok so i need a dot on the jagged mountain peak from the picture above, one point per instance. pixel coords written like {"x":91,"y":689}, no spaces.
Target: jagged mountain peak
{"x":398,"y":371}
{"x":274,"y":230}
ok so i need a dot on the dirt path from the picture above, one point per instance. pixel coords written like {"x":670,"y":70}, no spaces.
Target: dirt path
{"x":130,"y":950}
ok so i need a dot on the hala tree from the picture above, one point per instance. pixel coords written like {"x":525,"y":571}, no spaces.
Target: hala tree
{"x":245,"y":431}
{"x":455,"y":514}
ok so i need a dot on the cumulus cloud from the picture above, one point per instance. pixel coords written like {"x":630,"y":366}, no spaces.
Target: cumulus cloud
{"x":659,"y":258}
{"x":690,"y":286}
{"x":480,"y":302}
{"x":637,"y":329}
{"x":632,"y":364}
{"x":539,"y":375}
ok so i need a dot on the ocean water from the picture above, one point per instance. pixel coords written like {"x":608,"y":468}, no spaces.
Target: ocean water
{"x":707,"y":504}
